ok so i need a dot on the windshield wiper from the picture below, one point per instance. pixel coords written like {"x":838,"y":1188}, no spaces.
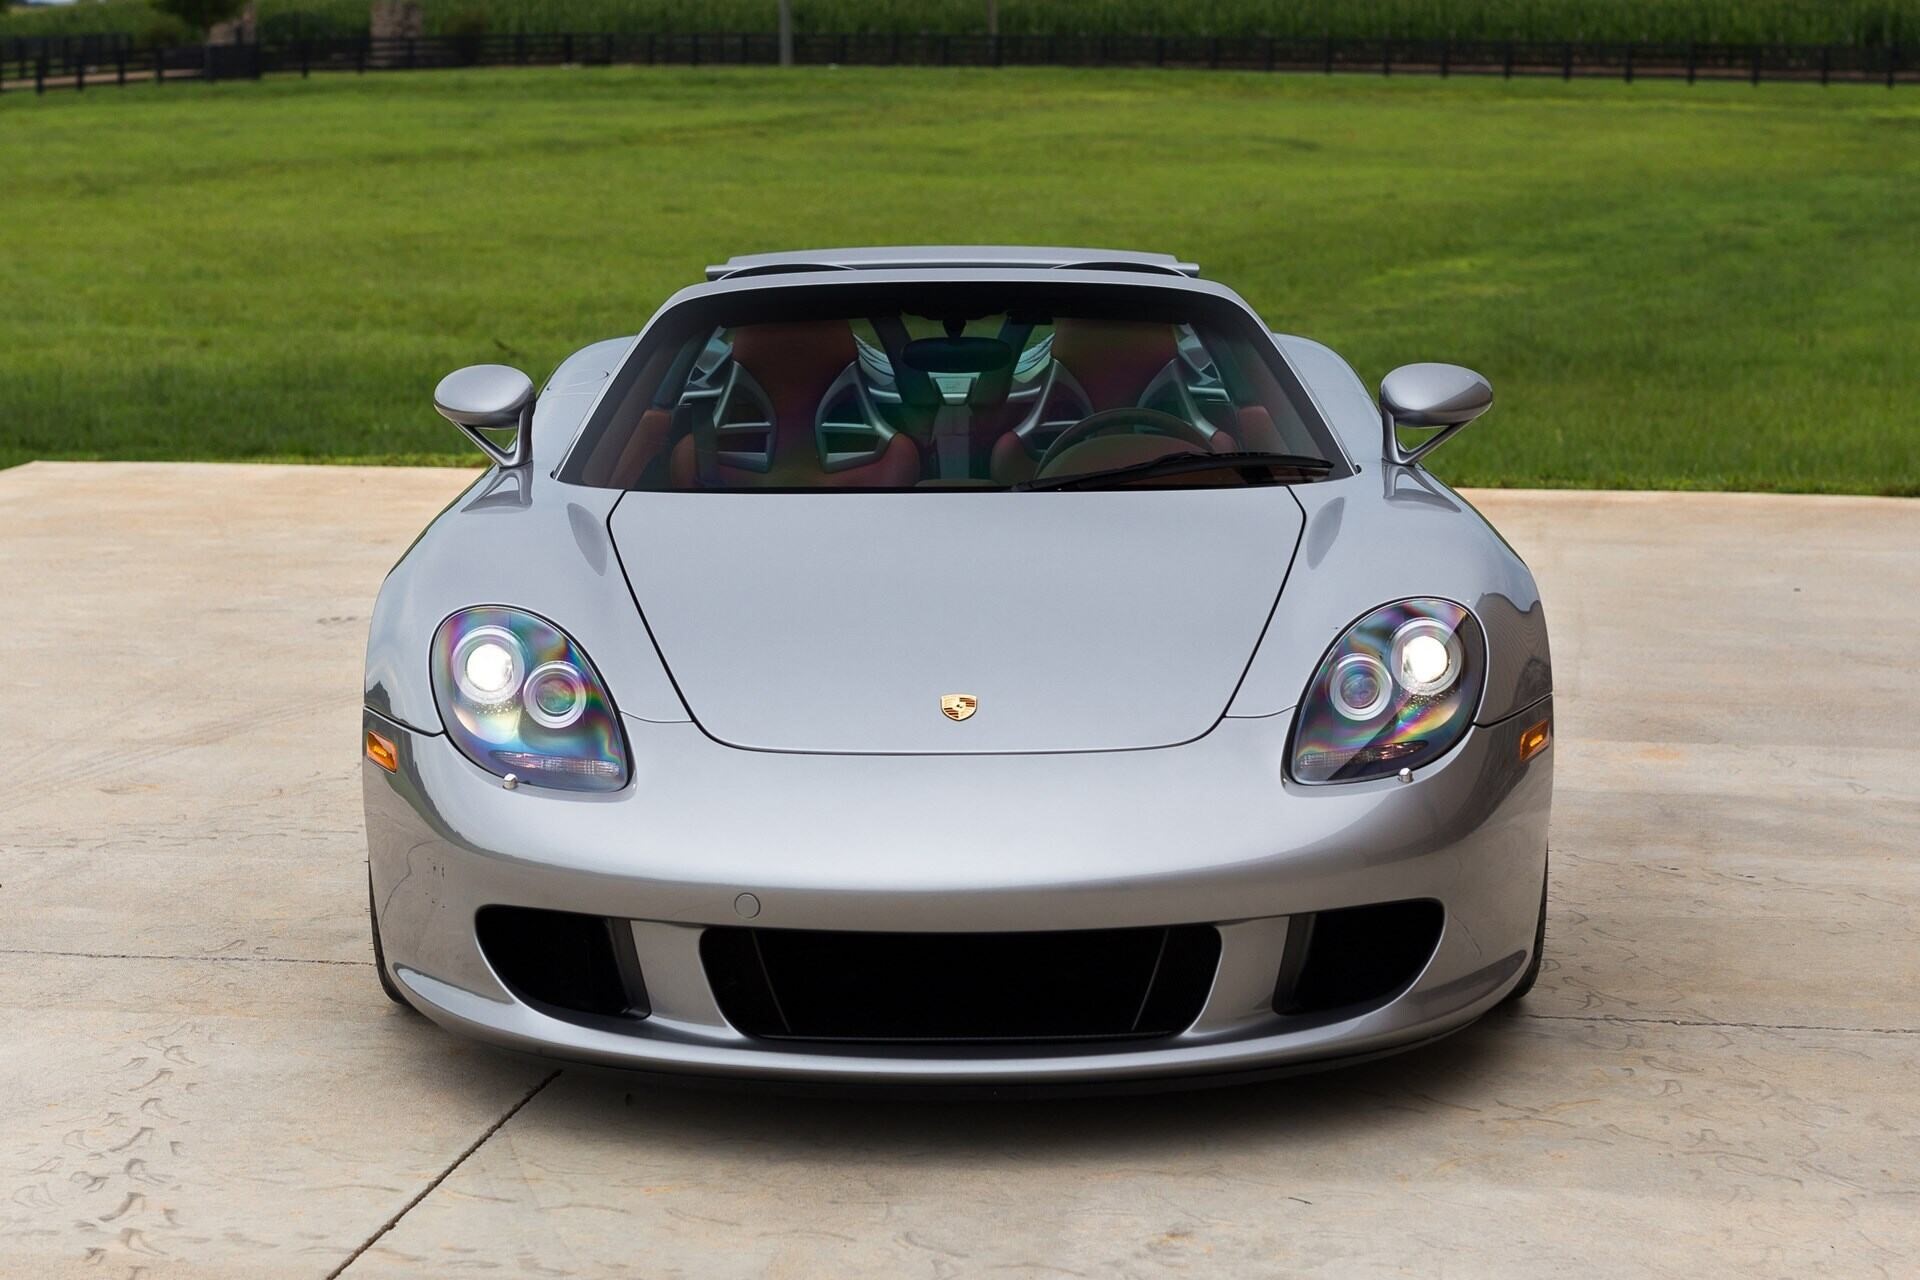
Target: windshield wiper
{"x":1175,"y":464}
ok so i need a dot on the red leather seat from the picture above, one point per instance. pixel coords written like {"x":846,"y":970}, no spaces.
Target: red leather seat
{"x":794,"y":364}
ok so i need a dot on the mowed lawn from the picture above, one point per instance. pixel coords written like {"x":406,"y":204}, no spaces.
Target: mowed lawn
{"x":1669,"y":287}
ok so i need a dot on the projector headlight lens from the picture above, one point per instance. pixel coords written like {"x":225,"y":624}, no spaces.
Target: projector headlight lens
{"x":518,"y":696}
{"x":556,"y":695}
{"x":1360,"y":688}
{"x":1397,"y":691}
{"x":487,"y":665}
{"x":1426,"y":656}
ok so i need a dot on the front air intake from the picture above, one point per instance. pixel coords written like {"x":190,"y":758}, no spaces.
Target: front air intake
{"x":1090,"y":984}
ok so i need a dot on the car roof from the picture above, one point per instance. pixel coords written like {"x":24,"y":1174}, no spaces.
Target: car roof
{"x":908,"y":257}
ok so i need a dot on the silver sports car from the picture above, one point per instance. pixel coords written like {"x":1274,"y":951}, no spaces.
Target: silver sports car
{"x":963,"y":667}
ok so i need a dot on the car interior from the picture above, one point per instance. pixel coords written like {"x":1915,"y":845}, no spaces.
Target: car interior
{"x":904,"y":401}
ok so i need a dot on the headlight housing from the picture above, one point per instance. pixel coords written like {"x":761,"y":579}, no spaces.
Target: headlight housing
{"x":518,"y":697}
{"x":1397,"y":691}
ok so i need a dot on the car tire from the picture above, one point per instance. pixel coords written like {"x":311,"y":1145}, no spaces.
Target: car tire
{"x":379,"y":953}
{"x":1532,"y":974}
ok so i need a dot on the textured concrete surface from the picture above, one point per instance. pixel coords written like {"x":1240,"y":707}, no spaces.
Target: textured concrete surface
{"x":1717,"y":1075}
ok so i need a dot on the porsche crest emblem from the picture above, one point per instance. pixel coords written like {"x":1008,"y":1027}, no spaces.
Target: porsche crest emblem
{"x":958,"y":706}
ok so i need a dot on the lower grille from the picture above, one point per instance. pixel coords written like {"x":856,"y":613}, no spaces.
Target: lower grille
{"x":578,"y":967}
{"x":1356,"y":958}
{"x":1090,"y":984}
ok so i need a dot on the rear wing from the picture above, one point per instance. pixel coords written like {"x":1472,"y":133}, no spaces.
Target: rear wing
{"x":907,"y":257}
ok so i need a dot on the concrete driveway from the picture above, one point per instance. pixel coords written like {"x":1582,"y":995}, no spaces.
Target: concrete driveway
{"x":198,"y":1075}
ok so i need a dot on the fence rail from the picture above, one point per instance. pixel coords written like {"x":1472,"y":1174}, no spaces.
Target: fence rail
{"x":83,"y":62}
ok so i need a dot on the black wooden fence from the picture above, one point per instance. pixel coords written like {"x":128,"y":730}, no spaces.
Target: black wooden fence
{"x":83,"y":62}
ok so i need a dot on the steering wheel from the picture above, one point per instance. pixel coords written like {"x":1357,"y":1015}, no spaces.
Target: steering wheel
{"x":1112,"y":421}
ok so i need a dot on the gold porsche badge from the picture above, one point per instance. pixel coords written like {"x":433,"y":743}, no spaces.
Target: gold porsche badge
{"x":958,"y":706}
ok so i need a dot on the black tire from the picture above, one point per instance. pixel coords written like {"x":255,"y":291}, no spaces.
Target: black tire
{"x":379,"y":953}
{"x":1532,"y":975}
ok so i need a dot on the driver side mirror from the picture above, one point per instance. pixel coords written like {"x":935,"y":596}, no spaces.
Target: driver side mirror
{"x":490,"y":398}
{"x":1429,"y":395}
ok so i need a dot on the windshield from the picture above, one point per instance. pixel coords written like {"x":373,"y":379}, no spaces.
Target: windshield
{"x":944,"y":386}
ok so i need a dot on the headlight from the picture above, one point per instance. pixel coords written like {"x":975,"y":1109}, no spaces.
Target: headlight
{"x":1396,"y":692}
{"x":518,"y":697}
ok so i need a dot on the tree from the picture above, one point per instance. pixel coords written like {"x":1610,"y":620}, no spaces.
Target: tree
{"x":201,"y":14}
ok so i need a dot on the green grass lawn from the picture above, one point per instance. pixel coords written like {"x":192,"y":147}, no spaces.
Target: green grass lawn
{"x":1669,"y":287}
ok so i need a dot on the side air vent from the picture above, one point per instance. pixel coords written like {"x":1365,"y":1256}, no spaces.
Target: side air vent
{"x":1356,"y":958}
{"x":578,"y":967}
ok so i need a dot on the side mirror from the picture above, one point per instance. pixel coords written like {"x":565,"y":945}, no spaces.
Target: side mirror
{"x":484,"y":398}
{"x":1430,"y":395}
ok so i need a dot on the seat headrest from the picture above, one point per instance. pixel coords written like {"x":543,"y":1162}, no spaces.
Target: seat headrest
{"x":794,"y":363}
{"x":1113,"y":360}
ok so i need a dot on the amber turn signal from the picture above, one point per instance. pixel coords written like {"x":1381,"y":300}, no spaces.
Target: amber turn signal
{"x":1533,"y":741}
{"x":381,"y":751}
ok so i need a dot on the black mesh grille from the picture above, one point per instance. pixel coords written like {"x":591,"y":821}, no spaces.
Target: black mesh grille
{"x":1079,"y":985}
{"x":573,"y":966}
{"x":1357,"y":957}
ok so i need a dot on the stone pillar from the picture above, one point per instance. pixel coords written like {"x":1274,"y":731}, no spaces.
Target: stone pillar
{"x":392,"y":21}
{"x":244,"y":29}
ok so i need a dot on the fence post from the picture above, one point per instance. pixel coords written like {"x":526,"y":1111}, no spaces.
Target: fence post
{"x":1692,"y":61}
{"x":40,"y":73}
{"x":208,"y":71}
{"x":1446,"y":58}
{"x":159,"y":65}
{"x":1386,"y":58}
{"x":1893,"y":62}
{"x":306,"y":58}
{"x":120,"y":65}
{"x":1506,"y":65}
{"x":1566,"y":65}
{"x":1826,"y":64}
{"x":80,"y":70}
{"x":362,"y":50}
{"x":566,"y":49}
{"x":1756,"y":64}
{"x":1329,"y":52}
{"x":1629,"y":76}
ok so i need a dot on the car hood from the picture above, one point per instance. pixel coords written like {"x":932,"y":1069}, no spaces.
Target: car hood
{"x":835,"y":622}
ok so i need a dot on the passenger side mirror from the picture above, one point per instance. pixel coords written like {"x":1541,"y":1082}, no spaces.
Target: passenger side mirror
{"x":484,"y":398}
{"x":1429,"y":395}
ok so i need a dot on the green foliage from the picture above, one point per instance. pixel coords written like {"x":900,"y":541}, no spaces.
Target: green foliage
{"x":1670,"y":287}
{"x":1736,"y":21}
{"x":466,"y":24}
{"x":200,"y":14}
{"x":136,"y":19}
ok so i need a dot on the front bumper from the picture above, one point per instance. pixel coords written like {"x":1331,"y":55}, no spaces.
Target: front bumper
{"x":1206,"y":832}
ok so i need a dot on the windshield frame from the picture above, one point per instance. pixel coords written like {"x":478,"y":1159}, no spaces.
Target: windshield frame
{"x":767,"y":299}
